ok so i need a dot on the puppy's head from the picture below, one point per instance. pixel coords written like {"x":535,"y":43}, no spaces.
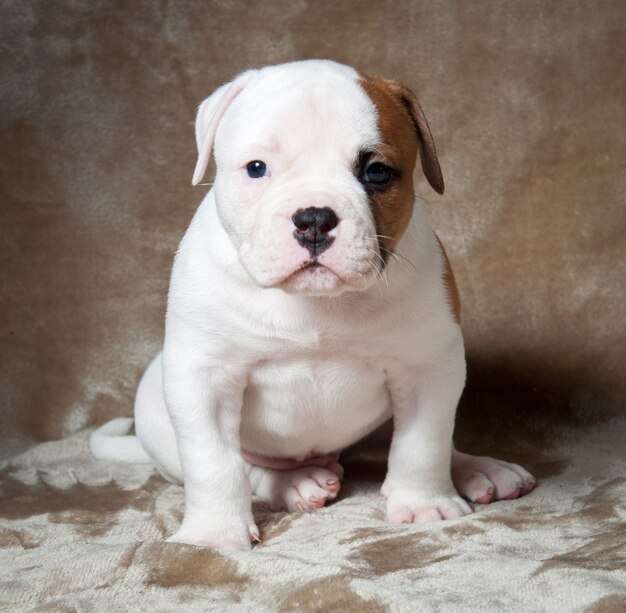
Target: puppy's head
{"x":314,"y":172}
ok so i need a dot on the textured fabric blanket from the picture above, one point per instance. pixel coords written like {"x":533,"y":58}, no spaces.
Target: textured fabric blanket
{"x":77,"y":534}
{"x":526,"y":101}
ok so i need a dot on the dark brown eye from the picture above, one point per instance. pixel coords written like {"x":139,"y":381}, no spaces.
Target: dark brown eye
{"x":377,"y":173}
{"x":256,"y":169}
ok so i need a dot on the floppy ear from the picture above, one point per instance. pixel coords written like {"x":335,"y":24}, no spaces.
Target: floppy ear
{"x":208,"y":118}
{"x":428,"y":153}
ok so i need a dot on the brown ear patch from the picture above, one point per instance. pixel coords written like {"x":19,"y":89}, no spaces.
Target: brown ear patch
{"x":428,"y":152}
{"x":393,"y":206}
{"x":404,"y":131}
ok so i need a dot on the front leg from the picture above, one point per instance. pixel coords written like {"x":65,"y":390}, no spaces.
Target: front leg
{"x":204,"y":402}
{"x":418,"y":486}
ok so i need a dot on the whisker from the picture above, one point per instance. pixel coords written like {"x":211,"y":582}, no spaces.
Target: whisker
{"x":407,"y":261}
{"x":391,"y":252}
{"x":379,"y":272}
{"x":375,"y":270}
{"x":400,"y":259}
{"x":384,"y":270}
{"x":380,"y":257}
{"x":396,"y":256}
{"x":393,"y":255}
{"x":363,"y":278}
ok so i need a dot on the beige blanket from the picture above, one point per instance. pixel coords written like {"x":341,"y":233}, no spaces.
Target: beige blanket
{"x":77,"y":534}
{"x":526,"y":101}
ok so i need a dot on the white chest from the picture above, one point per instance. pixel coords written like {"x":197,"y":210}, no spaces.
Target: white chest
{"x":316,"y":402}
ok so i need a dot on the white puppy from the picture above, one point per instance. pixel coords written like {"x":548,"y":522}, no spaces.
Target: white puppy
{"x":310,"y":302}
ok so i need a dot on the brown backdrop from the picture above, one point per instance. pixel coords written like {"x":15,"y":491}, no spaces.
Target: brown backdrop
{"x":527,"y":105}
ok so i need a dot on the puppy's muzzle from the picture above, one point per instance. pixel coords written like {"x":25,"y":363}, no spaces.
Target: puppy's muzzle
{"x":313,"y":225}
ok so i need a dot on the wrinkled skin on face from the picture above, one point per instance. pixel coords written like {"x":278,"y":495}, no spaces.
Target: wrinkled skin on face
{"x":316,"y":147}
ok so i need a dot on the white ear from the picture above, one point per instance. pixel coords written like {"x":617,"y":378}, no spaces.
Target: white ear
{"x":209,"y":115}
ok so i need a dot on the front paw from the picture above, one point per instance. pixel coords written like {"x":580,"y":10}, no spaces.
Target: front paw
{"x":408,"y":506}
{"x":482,"y":479}
{"x":227,"y":536}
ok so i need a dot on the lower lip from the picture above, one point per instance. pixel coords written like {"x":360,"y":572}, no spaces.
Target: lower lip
{"x":310,"y":267}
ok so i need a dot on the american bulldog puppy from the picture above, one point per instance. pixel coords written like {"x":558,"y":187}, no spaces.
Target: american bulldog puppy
{"x":310,"y":302}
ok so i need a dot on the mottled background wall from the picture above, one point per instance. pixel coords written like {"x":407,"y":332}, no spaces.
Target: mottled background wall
{"x":527,"y":102}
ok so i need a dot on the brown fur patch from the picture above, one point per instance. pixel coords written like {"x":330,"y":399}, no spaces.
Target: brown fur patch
{"x":450,"y":283}
{"x":392,"y":207}
{"x":329,"y":594}
{"x":407,"y":99}
{"x":172,"y":565}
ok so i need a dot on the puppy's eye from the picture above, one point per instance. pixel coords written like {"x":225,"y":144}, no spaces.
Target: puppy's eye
{"x":377,"y":173}
{"x":256,"y":169}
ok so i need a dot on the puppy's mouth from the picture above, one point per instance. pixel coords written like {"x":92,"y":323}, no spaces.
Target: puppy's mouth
{"x":308,"y":267}
{"x":316,"y":279}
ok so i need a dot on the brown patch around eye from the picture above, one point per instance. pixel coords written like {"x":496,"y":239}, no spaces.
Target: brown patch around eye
{"x":392,"y":206}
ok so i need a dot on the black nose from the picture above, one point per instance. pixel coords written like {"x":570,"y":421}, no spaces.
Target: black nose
{"x":312,"y":228}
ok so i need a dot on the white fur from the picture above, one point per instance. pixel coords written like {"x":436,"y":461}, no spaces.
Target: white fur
{"x":111,"y":442}
{"x":285,"y":363}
